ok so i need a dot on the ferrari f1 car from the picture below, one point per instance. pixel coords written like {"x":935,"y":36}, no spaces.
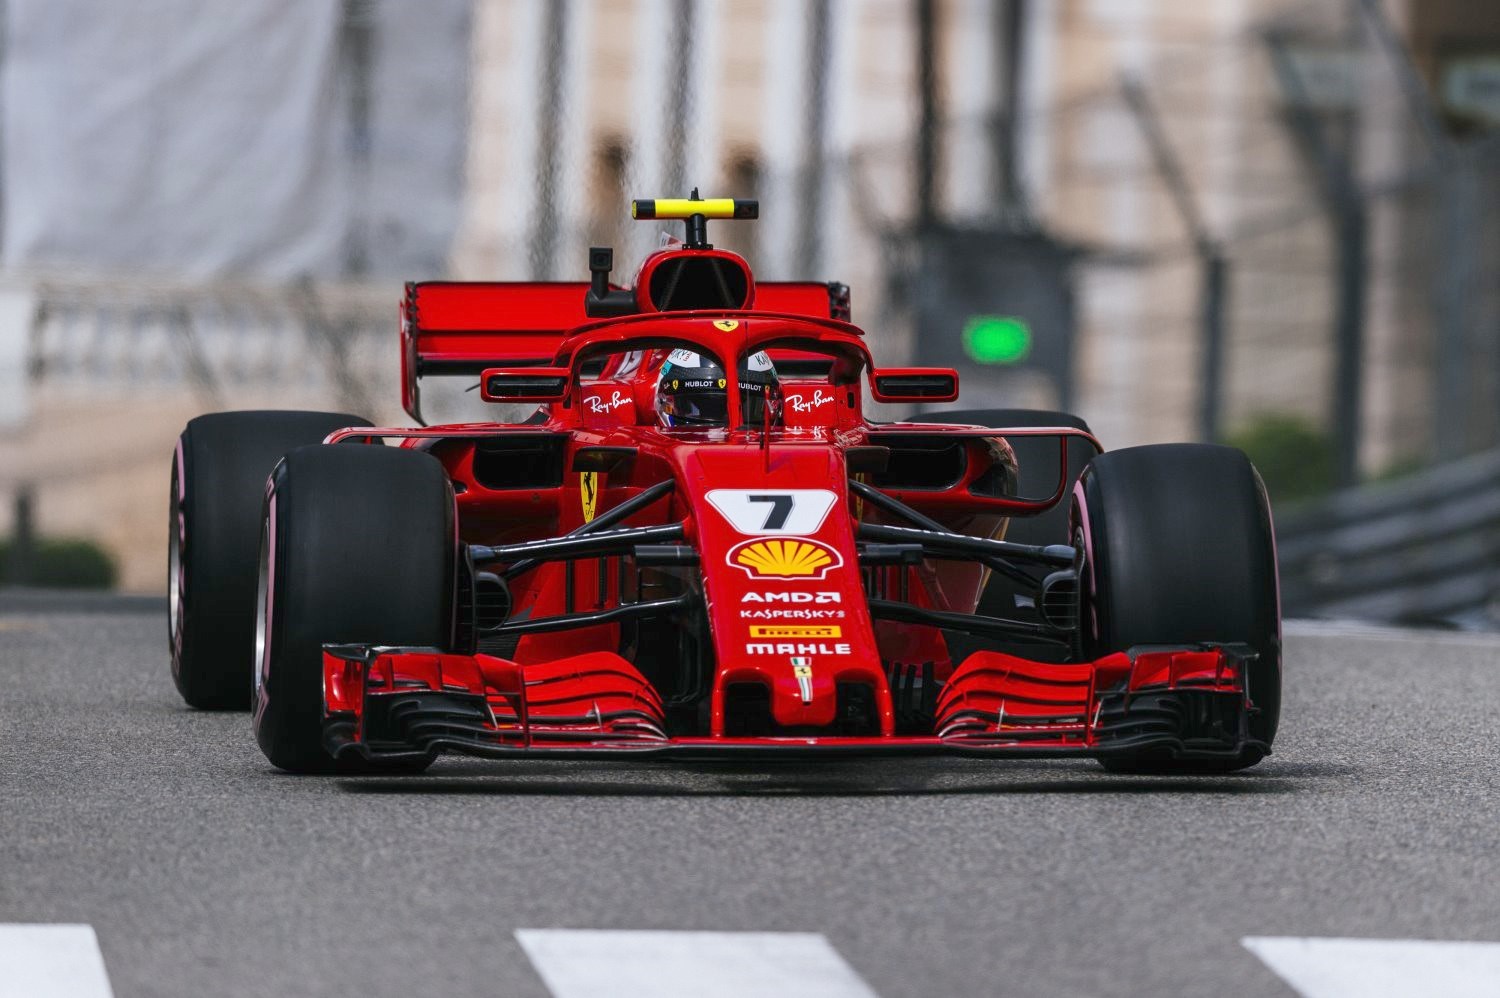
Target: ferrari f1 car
{"x":697,"y":543}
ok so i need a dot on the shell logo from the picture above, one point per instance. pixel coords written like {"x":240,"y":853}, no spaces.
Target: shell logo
{"x":784,"y":558}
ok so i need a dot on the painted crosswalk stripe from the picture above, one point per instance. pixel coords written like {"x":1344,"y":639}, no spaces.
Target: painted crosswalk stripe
{"x":585,"y":963}
{"x":51,"y":961}
{"x":1381,"y":968}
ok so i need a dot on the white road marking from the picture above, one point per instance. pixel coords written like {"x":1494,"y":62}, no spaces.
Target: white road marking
{"x":51,"y":961}
{"x":587,"y":963}
{"x":1381,"y":968}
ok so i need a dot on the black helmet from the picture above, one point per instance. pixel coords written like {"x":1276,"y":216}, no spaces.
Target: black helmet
{"x":692,"y":390}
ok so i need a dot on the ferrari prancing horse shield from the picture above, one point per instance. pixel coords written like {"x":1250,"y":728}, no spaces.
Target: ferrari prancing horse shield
{"x":588,"y":488}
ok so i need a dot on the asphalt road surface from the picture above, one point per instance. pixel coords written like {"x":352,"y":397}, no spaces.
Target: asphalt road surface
{"x":205,"y":872}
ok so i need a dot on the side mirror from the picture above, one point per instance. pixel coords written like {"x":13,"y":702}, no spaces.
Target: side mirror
{"x":914,"y":384}
{"x":524,"y":384}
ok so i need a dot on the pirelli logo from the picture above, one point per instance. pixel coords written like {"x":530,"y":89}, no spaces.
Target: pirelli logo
{"x":795,"y":631}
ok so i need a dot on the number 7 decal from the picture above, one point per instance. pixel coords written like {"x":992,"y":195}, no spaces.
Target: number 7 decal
{"x":783,"y":511}
{"x":781,"y":508}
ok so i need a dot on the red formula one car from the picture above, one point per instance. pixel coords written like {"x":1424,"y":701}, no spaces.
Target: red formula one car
{"x":699,"y":545}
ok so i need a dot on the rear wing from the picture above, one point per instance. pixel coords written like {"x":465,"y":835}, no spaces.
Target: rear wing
{"x":461,"y":328}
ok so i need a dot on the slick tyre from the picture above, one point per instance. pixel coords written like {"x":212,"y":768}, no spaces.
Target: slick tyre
{"x":219,"y":474}
{"x":358,"y":547}
{"x":1178,"y":550}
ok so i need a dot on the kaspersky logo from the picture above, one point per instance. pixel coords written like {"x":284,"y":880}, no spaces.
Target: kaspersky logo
{"x":784,"y":558}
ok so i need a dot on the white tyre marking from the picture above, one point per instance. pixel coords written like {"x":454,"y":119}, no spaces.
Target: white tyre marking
{"x":1381,"y":968}
{"x":575,"y":963}
{"x":51,"y":961}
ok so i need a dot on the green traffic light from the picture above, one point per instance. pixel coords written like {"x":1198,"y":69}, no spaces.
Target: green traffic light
{"x":997,"y":339}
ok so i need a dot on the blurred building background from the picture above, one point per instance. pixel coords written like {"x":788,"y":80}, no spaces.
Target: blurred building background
{"x":1251,"y":220}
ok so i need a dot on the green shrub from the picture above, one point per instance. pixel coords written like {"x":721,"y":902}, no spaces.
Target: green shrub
{"x":1402,"y":467}
{"x":60,"y":563}
{"x":1294,"y":457}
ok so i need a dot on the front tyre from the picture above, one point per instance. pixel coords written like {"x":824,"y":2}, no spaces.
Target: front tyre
{"x":1178,"y":550}
{"x":358,"y":548}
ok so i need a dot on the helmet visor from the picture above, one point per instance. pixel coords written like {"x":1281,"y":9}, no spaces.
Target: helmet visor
{"x":696,"y":407}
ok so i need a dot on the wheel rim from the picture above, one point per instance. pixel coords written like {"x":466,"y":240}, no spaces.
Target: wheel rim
{"x":262,"y":609}
{"x":177,"y":535}
{"x":1088,"y":617}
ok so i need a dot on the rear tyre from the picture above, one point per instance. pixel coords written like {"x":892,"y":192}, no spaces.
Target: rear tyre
{"x":359,"y":547}
{"x":1178,"y":550}
{"x":218,"y":484}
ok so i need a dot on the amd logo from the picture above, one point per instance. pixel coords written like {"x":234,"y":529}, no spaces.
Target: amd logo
{"x":793,"y":597}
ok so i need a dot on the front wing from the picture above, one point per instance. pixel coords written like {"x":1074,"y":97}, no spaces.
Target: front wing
{"x":398,"y":703}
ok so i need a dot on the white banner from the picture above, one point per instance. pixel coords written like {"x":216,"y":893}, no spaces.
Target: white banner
{"x":207,"y":139}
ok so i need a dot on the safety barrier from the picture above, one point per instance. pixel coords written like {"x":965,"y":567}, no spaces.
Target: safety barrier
{"x":1423,"y":549}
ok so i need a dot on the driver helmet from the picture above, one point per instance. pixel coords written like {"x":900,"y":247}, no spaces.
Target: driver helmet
{"x":691,"y":390}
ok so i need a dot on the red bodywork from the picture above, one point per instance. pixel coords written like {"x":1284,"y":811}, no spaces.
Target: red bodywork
{"x":792,"y":655}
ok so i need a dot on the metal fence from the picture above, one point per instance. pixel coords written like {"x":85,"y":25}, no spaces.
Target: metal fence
{"x":1277,"y":222}
{"x":106,"y":338}
{"x":1358,"y":231}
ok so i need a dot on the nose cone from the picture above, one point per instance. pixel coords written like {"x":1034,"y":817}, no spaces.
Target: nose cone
{"x":800,"y":696}
{"x":781,"y":578}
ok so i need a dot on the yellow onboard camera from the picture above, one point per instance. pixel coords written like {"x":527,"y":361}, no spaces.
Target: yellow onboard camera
{"x":601,"y":301}
{"x":644,"y":209}
{"x":695,"y":211}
